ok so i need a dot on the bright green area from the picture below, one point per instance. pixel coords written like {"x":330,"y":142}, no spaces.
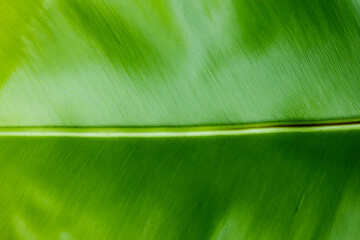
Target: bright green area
{"x":261,"y":186}
{"x":177,"y":62}
{"x":173,"y":63}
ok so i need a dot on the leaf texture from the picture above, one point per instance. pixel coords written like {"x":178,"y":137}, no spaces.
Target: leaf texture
{"x":179,"y":119}
{"x":167,"y":62}
{"x":279,"y":185}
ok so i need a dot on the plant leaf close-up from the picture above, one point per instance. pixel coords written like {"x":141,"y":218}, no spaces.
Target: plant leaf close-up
{"x":179,"y":119}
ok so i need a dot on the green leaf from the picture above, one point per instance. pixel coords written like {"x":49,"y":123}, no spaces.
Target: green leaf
{"x":182,"y":119}
{"x":274,"y":184}
{"x":167,"y":62}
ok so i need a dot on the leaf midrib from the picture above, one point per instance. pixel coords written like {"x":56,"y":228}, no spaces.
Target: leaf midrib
{"x":183,"y":131}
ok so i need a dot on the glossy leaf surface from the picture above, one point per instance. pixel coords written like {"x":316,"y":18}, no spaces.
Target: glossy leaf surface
{"x":170,"y":62}
{"x":282,"y":75}
{"x":253,"y":186}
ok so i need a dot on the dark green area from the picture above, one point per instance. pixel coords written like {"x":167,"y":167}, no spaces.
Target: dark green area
{"x":270,"y":186}
{"x":305,"y":23}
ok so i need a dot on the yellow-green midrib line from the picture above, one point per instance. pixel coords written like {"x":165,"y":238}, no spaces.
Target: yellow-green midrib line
{"x":193,"y":131}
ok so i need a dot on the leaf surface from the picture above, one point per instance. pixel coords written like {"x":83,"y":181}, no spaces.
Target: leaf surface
{"x":163,"y":62}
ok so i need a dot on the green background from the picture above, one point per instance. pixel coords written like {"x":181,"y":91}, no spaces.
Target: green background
{"x":177,"y":62}
{"x":256,"y":186}
{"x":142,"y":63}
